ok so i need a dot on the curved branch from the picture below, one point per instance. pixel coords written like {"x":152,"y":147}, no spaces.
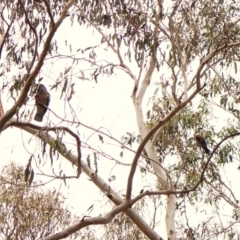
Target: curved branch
{"x":86,"y":221}
{"x":95,"y":130}
{"x":209,"y":57}
{"x":198,"y":74}
{"x":108,"y":218}
{"x":10,"y":113}
{"x":47,"y":129}
{"x":149,"y":135}
{"x":167,"y":192}
{"x":98,"y":181}
{"x":137,"y":100}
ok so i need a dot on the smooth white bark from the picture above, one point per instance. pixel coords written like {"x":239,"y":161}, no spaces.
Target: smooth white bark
{"x":99,"y":182}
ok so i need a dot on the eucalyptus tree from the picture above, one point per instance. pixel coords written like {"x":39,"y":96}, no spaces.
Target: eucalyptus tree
{"x":189,"y":50}
{"x":30,"y":213}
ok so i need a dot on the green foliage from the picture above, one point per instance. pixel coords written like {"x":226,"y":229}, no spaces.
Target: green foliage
{"x":178,"y":37}
{"x":28,"y":211}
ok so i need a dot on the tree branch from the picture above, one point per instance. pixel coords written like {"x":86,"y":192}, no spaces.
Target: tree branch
{"x":86,"y":221}
{"x":98,"y":181}
{"x":47,"y":129}
{"x":35,"y":34}
{"x":49,"y":11}
{"x":122,"y":207}
{"x":10,"y":113}
{"x":8,"y":29}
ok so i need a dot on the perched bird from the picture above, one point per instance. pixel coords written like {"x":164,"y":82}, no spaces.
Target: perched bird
{"x":202,"y":142}
{"x":42,"y":101}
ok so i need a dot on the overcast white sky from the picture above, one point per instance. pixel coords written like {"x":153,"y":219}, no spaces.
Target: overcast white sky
{"x":106,"y":104}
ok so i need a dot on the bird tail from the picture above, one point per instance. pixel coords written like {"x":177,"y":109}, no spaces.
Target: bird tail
{"x":38,"y":117}
{"x":207,"y":151}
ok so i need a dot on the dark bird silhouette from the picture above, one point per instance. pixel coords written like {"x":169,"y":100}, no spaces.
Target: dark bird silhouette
{"x":42,"y":101}
{"x":202,"y":142}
